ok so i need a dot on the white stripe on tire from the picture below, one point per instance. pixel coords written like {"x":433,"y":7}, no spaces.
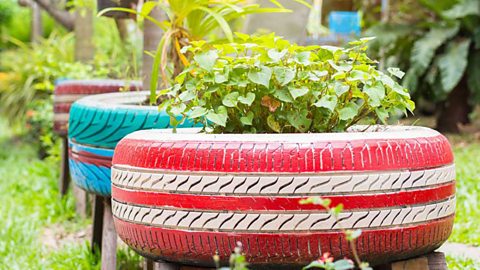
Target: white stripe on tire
{"x":274,"y":221}
{"x":299,"y":184}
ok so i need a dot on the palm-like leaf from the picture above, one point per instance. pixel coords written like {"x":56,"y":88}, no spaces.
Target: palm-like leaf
{"x":424,"y":48}
{"x":452,"y":63}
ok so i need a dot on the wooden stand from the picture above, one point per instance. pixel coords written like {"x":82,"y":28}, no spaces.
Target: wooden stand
{"x":431,"y":261}
{"x":64,"y":180}
{"x":104,"y":236}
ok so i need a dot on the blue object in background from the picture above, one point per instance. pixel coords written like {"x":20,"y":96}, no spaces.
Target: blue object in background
{"x":344,"y":22}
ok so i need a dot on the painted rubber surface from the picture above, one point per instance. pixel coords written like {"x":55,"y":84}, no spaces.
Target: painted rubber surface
{"x":68,"y":91}
{"x":96,"y":125}
{"x":90,"y":168}
{"x":186,"y":196}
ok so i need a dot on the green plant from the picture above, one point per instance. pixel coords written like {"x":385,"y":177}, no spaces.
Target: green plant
{"x":441,"y":53}
{"x":33,"y":69}
{"x":190,"y":21}
{"x":265,"y":84}
{"x":39,"y":127}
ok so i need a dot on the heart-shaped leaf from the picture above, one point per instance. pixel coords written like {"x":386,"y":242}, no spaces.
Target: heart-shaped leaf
{"x":247,"y":99}
{"x":260,"y":76}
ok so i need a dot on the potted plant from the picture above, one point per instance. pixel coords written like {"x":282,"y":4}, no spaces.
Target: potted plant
{"x":281,"y":123}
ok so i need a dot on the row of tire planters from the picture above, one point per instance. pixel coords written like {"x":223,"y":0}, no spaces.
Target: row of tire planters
{"x":185,"y":197}
{"x":68,"y":91}
{"x":96,"y":125}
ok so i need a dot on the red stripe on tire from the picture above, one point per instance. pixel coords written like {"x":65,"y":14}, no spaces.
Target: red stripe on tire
{"x":244,"y":203}
{"x":375,"y":246}
{"x":90,"y":87}
{"x":90,"y":158}
{"x":363,"y":155}
{"x":62,"y":107}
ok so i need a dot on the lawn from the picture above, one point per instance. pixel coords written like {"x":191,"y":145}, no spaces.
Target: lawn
{"x":31,"y":205}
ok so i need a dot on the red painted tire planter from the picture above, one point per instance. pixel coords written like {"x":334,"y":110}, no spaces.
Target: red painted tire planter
{"x":68,"y":91}
{"x":184,"y":197}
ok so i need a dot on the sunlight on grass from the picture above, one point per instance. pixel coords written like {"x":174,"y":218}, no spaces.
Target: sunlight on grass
{"x":467,"y":160}
{"x":29,"y":203}
{"x":455,"y":263}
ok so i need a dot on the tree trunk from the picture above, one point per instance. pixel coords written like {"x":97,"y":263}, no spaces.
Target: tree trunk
{"x":37,"y":27}
{"x":151,"y":37}
{"x":122,"y":28}
{"x":456,"y":109}
{"x":63,"y":17}
{"x":84,"y":50}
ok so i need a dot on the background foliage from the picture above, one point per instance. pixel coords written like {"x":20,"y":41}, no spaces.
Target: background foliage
{"x":439,"y":48}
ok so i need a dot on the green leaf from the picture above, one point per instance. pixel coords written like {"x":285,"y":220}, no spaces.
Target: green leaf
{"x":341,"y":67}
{"x":283,"y":75}
{"x":298,"y":92}
{"x":231,"y":99}
{"x":396,"y":72}
{"x":375,"y":92}
{"x":357,"y":75}
{"x":343,"y":264}
{"x":260,"y":76}
{"x":197,"y":112}
{"x":303,"y":58}
{"x":248,"y":119}
{"x":207,"y":59}
{"x":219,"y":118}
{"x":463,"y":9}
{"x":452,"y":63}
{"x":221,"y":77}
{"x":340,"y":88}
{"x":273,"y":124}
{"x":186,"y":96}
{"x":178,"y":109}
{"x":247,"y":99}
{"x":348,"y":112}
{"x":283,"y":95}
{"x":382,"y":115}
{"x":299,"y":120}
{"x":424,"y":49}
{"x":328,"y":102}
{"x":276,"y":55}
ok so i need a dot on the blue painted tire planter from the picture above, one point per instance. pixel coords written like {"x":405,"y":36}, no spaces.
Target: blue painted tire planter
{"x":97,"y":123}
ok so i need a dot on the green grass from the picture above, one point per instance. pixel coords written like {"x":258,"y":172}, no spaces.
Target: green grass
{"x":467,"y":221}
{"x":455,"y":263}
{"x":29,"y":202}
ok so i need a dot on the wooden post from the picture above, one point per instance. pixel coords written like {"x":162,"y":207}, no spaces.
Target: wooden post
{"x":64,"y":180}
{"x":98,"y":212}
{"x":84,"y":52}
{"x":431,"y":261}
{"x":37,"y":26}
{"x":109,"y":239}
{"x":84,"y":49}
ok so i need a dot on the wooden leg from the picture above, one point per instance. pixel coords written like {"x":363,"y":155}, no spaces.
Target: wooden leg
{"x":148,"y":264}
{"x":109,"y":239}
{"x":161,"y":265}
{"x":97,"y":223}
{"x":431,"y":261}
{"x":64,"y":180}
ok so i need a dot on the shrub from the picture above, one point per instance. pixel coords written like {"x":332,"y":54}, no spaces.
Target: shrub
{"x":265,"y":84}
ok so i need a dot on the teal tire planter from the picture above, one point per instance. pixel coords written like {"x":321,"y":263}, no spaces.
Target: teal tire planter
{"x":97,"y":123}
